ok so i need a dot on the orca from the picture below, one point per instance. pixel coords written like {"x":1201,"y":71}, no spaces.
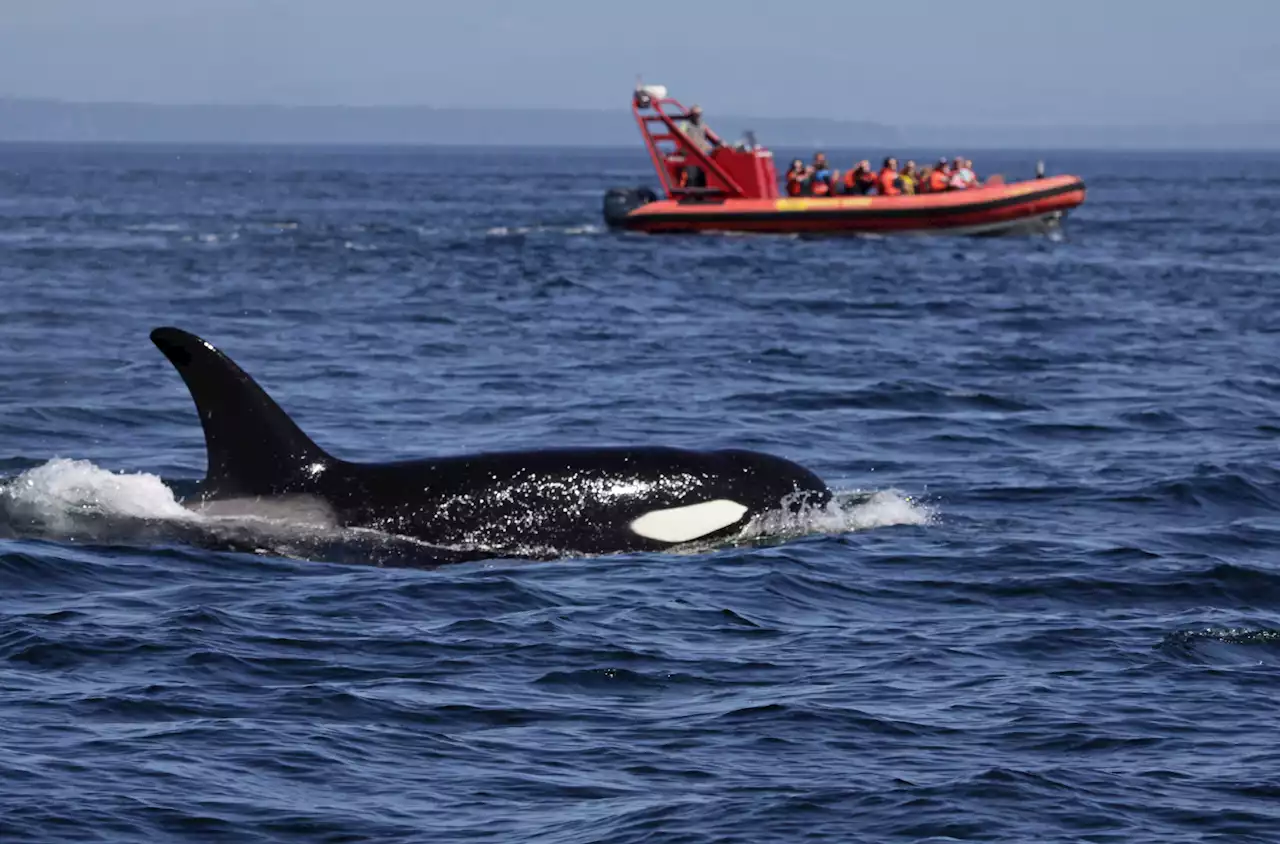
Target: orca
{"x":539,"y":504}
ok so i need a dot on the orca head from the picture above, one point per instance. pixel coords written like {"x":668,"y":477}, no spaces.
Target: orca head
{"x":747,"y":484}
{"x":766,"y":482}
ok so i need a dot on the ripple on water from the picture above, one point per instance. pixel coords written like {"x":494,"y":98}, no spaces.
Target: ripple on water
{"x":1042,"y":608}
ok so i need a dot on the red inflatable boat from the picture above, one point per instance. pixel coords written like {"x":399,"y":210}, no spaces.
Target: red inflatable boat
{"x":738,"y":192}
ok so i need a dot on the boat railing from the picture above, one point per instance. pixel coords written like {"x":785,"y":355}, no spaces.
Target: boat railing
{"x":673,"y":152}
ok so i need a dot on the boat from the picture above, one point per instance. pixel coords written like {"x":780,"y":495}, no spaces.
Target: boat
{"x":737,"y":190}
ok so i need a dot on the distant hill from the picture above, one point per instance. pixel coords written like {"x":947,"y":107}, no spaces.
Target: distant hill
{"x":58,"y":121}
{"x":51,"y":120}
{"x":1221,"y":136}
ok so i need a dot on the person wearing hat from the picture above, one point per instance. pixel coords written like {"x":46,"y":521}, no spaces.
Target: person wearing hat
{"x":696,"y":130}
{"x":703,"y":138}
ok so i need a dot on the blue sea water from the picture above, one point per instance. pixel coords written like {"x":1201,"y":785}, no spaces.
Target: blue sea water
{"x":1054,"y":614}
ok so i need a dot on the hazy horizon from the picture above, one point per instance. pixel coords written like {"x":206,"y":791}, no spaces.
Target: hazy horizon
{"x":991,"y":63}
{"x":47,"y":120}
{"x":1260,"y":121}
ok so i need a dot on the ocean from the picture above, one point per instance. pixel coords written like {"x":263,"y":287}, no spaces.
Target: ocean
{"x":1048,"y":610}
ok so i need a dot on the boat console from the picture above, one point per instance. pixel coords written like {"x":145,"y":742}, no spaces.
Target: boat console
{"x":744,"y":170}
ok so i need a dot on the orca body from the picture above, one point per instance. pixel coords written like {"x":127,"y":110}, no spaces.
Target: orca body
{"x":542,"y":503}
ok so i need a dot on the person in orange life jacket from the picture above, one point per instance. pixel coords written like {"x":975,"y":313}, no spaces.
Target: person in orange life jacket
{"x":797,"y":176}
{"x":887,"y":180}
{"x":940,"y":178}
{"x":860,"y":180}
{"x":922,"y":179}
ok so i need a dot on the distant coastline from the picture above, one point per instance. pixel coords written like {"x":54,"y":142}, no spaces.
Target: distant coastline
{"x":54,"y":121}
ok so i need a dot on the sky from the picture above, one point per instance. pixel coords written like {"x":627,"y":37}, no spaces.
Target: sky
{"x":904,"y":62}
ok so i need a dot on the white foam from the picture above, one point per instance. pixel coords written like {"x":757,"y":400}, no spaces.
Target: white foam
{"x":75,"y":500}
{"x":511,"y":231}
{"x":887,"y":508}
{"x":62,"y":489}
{"x":848,"y":511}
{"x":163,"y":228}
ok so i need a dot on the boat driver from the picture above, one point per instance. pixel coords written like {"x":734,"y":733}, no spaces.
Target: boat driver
{"x":696,"y":131}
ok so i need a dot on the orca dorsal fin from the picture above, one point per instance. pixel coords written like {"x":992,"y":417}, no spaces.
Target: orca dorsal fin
{"x":254,"y":448}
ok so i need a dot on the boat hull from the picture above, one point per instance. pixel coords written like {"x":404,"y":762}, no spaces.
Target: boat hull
{"x":997,"y":209}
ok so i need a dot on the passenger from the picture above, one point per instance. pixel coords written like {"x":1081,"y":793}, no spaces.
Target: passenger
{"x":961,"y":177}
{"x":860,"y":180}
{"x":797,"y":176}
{"x":907,"y":178}
{"x":973,"y":176}
{"x":823,"y":178}
{"x":692,"y":176}
{"x":940,"y":178}
{"x":887,"y":180}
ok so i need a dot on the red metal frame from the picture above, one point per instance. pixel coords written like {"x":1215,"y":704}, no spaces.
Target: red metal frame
{"x":647,"y":110}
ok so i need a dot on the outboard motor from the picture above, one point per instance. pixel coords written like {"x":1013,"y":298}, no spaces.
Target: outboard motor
{"x":619,"y":202}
